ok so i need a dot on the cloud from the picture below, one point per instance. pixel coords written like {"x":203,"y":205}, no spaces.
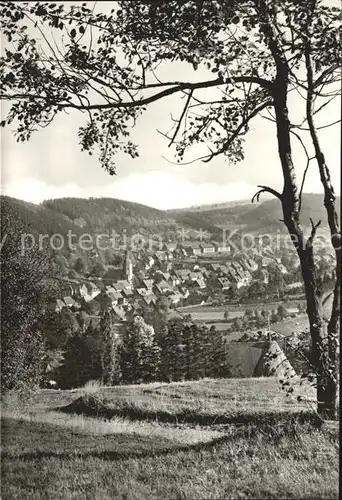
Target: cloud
{"x":163,"y":190}
{"x":35,"y":191}
{"x":158,"y":189}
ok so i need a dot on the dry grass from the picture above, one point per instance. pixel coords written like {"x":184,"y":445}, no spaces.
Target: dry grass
{"x":293,"y":461}
{"x":92,"y":387}
{"x":263,"y":447}
{"x":117,"y":425}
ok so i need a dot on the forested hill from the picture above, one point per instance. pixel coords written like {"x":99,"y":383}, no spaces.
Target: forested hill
{"x":107,"y":214}
{"x":251,"y":217}
{"x":99,"y":215}
{"x":36,"y":218}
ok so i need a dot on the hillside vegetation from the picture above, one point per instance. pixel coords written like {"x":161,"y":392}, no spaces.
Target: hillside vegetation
{"x":105,"y":214}
{"x":264,"y":216}
{"x":258,"y":444}
{"x":37,"y":219}
{"x":100,"y":215}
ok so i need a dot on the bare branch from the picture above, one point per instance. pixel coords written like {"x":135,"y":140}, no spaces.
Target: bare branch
{"x":320,"y":80}
{"x":308,"y":159}
{"x":266,"y":189}
{"x":181,"y":118}
{"x":155,"y":97}
{"x":185,"y":162}
{"x":314,"y":228}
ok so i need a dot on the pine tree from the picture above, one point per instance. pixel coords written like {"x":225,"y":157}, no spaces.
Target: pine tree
{"x":218,"y":364}
{"x":189,"y":352}
{"x":109,"y":350}
{"x":173,"y":352}
{"x":140,"y":353}
{"x":149,"y":351}
{"x":129,"y":354}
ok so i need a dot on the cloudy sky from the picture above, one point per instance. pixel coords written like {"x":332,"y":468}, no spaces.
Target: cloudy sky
{"x":51,"y":165}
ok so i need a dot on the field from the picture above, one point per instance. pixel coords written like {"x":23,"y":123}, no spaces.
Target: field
{"x":290,"y":325}
{"x":214,"y":315}
{"x":210,"y":315}
{"x":210,"y":439}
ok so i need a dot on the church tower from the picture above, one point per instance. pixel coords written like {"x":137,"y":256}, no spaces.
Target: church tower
{"x":128,"y":267}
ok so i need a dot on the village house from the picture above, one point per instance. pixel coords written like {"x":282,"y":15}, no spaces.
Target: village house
{"x":207,"y":248}
{"x":184,"y":252}
{"x":192,"y":247}
{"x":195,"y":250}
{"x":184,"y":292}
{"x":146,"y":261}
{"x":115,"y":297}
{"x":122,"y":285}
{"x":83,"y":290}
{"x":205,"y":273}
{"x":249,"y":264}
{"x":265,"y":280}
{"x":160,"y":255}
{"x":73,"y":286}
{"x":238,"y":267}
{"x":193,"y":276}
{"x":56,"y":306}
{"x":199,"y":282}
{"x":175,"y":298}
{"x":182,"y":274}
{"x":142,"y":292}
{"x":127,"y":293}
{"x":149,"y":299}
{"x":87,"y":298}
{"x":166,"y":276}
{"x":235,"y":279}
{"x":215,"y":267}
{"x":281,"y":268}
{"x":224,"y":283}
{"x":223,"y":270}
{"x":296,"y":286}
{"x":120,"y":313}
{"x":163,"y":287}
{"x":148,"y":284}
{"x":173,"y":280}
{"x":69,"y":302}
{"x":170,"y":247}
{"x":135,"y":307}
{"x":221,"y":247}
{"x":248,"y":276}
{"x":266,"y":261}
{"x":90,"y":289}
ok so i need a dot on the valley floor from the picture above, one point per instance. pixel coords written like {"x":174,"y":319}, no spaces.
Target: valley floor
{"x":209,"y":439}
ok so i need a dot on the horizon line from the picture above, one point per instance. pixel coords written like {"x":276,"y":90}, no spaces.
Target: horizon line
{"x":188,"y":207}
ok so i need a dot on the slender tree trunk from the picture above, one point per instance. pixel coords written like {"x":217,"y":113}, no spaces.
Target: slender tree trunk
{"x":290,"y":198}
{"x":330,"y":406}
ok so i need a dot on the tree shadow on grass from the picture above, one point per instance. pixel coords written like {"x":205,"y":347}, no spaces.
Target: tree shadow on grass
{"x":113,"y":455}
{"x":133,"y":446}
{"x":93,"y":407}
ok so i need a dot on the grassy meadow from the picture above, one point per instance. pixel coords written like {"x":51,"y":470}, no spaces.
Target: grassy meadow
{"x":208,"y":439}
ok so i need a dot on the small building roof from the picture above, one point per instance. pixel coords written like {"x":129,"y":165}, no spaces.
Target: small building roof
{"x":69,"y":301}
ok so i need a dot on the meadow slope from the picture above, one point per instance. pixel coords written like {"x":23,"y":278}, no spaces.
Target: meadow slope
{"x":207,"y":439}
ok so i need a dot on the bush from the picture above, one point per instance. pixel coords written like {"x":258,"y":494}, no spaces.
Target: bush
{"x":92,"y":387}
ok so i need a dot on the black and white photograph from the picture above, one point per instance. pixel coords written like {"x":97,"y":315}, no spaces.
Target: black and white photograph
{"x":170,"y":249}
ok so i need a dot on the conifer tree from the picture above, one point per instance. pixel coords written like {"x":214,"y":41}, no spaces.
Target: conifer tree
{"x":109,"y":350}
